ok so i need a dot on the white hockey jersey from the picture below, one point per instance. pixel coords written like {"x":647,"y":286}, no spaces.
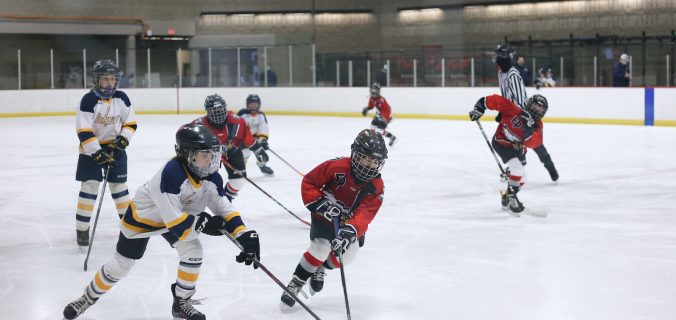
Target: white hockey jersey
{"x":100,"y":121}
{"x":512,"y":87}
{"x":171,"y":201}
{"x":257,"y":123}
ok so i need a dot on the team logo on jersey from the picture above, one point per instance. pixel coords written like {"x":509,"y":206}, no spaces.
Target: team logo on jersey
{"x":340,"y":179}
{"x":516,"y":122}
{"x":105,"y":120}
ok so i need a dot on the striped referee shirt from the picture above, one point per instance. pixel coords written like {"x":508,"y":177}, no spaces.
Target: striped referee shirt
{"x":512,"y":87}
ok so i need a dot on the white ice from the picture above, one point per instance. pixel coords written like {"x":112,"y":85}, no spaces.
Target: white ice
{"x":440,"y":247}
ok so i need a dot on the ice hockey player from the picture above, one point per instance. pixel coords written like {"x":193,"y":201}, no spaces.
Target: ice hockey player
{"x":518,"y":129}
{"x":513,"y":89}
{"x":383,"y":113}
{"x":172,"y":203}
{"x":258,"y":125}
{"x":105,"y":124}
{"x":234,"y":135}
{"x":343,"y":196}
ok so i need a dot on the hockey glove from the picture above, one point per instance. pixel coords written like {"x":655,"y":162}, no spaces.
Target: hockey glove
{"x":260,"y":153}
{"x":252,"y":248}
{"x":479,"y":109}
{"x":327,"y":209}
{"x":264,"y":144}
{"x":120,"y":143}
{"x":345,"y":237}
{"x":103,"y":158}
{"x":364,"y":111}
{"x":210,"y":225}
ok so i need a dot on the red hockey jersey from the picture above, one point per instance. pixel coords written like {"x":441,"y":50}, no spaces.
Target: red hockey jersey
{"x":333,"y":177}
{"x":514,"y":127}
{"x":234,"y":134}
{"x":382,"y":107}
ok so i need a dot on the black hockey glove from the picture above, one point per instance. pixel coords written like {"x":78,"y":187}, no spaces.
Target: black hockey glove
{"x":345,"y":237}
{"x":252,"y":248}
{"x":364,"y":111}
{"x":326,"y":208}
{"x":103,"y":158}
{"x":120,"y":143}
{"x":479,"y":109}
{"x":210,"y":225}
{"x":260,"y":153}
{"x":264,"y":144}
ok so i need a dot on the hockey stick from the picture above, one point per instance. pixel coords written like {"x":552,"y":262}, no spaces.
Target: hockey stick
{"x":288,"y":164}
{"x":96,"y":220}
{"x":272,"y":276}
{"x":491,"y":147}
{"x":267,"y":194}
{"x":342,"y":272}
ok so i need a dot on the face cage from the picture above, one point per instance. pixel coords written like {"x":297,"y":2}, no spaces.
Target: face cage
{"x":211,"y":168}
{"x":375,"y":93}
{"x":365,"y":173}
{"x":217,"y":114}
{"x":536,"y":114}
{"x":107,"y":92}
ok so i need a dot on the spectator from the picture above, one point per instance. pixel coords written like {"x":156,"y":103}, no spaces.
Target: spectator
{"x":621,"y":72}
{"x":272,"y":77}
{"x":550,"y":81}
{"x":382,"y":76}
{"x":524,"y":71}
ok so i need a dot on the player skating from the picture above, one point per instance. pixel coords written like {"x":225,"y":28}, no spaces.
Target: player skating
{"x":258,"y":125}
{"x":105,"y":124}
{"x":344,"y":191}
{"x":513,"y":89}
{"x":172,"y":203}
{"x":383,"y":112}
{"x":234,"y":135}
{"x":518,"y":129}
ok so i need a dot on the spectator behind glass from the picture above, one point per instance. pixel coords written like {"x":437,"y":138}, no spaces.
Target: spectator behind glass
{"x":524,"y":71}
{"x":621,"y":72}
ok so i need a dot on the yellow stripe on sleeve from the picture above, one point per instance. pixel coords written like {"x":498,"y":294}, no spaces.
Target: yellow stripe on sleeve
{"x":85,"y":130}
{"x":88,"y":140}
{"x":178,"y":220}
{"x":143,"y":220}
{"x":237,"y":230}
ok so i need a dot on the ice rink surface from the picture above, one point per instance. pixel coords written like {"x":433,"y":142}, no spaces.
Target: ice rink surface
{"x":440,"y":247}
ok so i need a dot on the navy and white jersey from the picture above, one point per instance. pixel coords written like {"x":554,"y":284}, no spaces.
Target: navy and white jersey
{"x":172,"y":200}
{"x":512,"y":87}
{"x":257,"y":123}
{"x":100,"y":121}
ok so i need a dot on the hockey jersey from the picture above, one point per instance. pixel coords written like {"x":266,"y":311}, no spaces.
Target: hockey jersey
{"x":257,"y":123}
{"x":515,"y":125}
{"x":100,"y":121}
{"x":233,"y":135}
{"x":383,"y":109}
{"x":360,"y":200}
{"x":171,"y":201}
{"x":512,"y":87}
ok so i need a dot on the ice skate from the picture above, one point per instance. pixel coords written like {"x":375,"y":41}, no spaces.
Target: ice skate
{"x":83,"y":239}
{"x":183,"y":308}
{"x":77,"y":307}
{"x":392,"y":140}
{"x":552,"y":171}
{"x":317,"y":280}
{"x":510,"y":202}
{"x":295,"y":286}
{"x":266,"y":170}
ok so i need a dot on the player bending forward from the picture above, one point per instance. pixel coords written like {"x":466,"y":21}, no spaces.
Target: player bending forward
{"x":518,"y":129}
{"x":383,"y":112}
{"x":344,"y":196}
{"x":172,"y":204}
{"x":258,"y":125}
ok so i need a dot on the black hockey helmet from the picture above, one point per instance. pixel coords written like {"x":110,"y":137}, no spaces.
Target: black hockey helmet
{"x":375,"y":89}
{"x":253,"y":102}
{"x":105,"y":68}
{"x":537,"y":106}
{"x":198,"y":148}
{"x":216,"y":108}
{"x":503,"y":55}
{"x":368,"y":155}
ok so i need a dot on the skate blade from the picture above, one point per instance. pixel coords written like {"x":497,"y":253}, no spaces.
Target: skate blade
{"x":82,"y":249}
{"x":535,"y":213}
{"x":286,"y":308}
{"x":512,"y":213}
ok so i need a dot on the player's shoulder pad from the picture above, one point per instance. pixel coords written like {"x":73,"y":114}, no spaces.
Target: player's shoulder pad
{"x":242,"y":112}
{"x":378,"y":185}
{"x":217,"y":180}
{"x":173,"y":176}
{"x":88,"y":102}
{"x":123,"y":96}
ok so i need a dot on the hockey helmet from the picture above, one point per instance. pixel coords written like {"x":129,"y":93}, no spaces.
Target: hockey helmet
{"x":537,"y":106}
{"x":368,"y":155}
{"x":375,"y":89}
{"x":503,"y":54}
{"x":108,"y":69}
{"x":198,"y":148}
{"x":216,"y":108}
{"x":253,"y":102}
